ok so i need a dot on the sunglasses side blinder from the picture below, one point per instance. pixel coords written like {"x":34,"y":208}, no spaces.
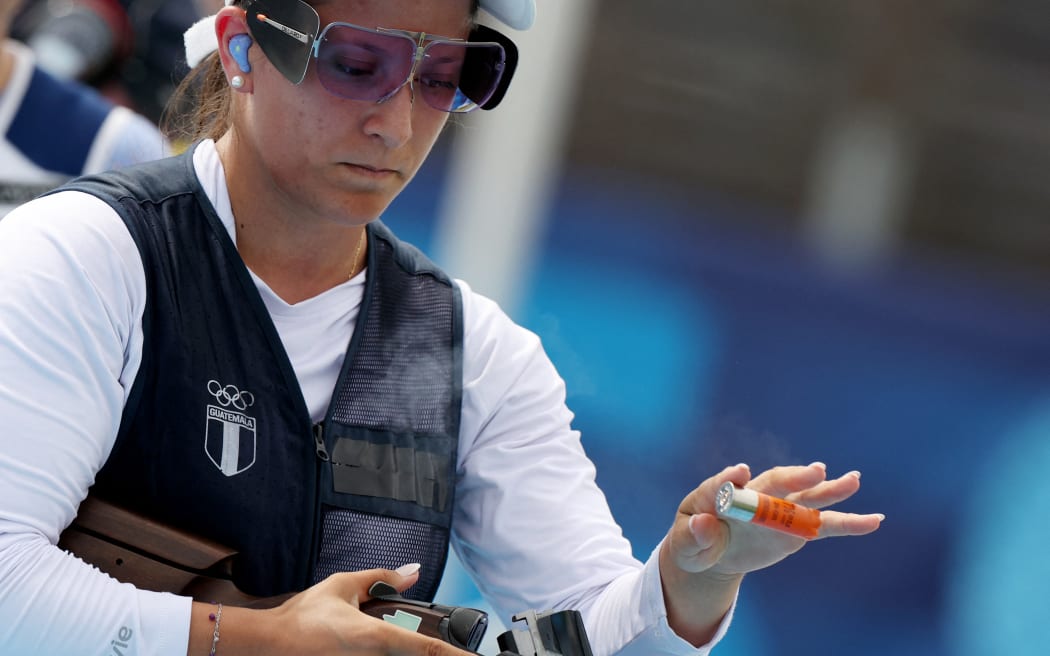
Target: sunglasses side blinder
{"x":286,"y":32}
{"x":484,"y":33}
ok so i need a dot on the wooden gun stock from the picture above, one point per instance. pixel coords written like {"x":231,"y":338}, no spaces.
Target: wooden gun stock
{"x":133,"y":548}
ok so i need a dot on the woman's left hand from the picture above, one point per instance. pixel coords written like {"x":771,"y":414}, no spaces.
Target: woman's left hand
{"x":704,"y":557}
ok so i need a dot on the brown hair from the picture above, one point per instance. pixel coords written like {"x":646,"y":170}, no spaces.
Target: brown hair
{"x":199,"y":108}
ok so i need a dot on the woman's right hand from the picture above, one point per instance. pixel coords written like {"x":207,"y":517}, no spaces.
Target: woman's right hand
{"x":8,"y":10}
{"x":324,"y":620}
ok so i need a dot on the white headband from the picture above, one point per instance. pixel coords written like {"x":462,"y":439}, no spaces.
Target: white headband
{"x":200,"y":37}
{"x":200,"y":40}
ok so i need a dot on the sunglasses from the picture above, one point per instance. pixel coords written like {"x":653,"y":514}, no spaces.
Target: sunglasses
{"x":360,"y":63}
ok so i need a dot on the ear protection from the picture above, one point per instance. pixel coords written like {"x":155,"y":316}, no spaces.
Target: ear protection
{"x":239,"y":51}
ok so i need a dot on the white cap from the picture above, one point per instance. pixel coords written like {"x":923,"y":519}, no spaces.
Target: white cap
{"x":199,"y":39}
{"x":518,"y":14}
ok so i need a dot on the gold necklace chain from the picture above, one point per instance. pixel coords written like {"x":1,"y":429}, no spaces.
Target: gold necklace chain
{"x":357,"y":254}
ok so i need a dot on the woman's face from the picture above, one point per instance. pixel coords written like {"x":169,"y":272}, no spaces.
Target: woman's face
{"x":345,"y":160}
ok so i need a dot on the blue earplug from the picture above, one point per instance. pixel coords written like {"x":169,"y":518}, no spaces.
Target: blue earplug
{"x":239,"y":51}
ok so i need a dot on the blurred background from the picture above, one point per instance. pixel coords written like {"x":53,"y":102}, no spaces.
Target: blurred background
{"x":777,"y":232}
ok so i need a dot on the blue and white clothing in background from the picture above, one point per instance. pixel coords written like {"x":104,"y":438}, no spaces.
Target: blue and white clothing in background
{"x":54,"y":130}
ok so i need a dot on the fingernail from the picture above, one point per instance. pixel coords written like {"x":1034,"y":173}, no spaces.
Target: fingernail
{"x":818,"y":464}
{"x":744,"y":465}
{"x":881,"y":517}
{"x":408,"y":570}
{"x":855,"y":473}
{"x":703,"y":541}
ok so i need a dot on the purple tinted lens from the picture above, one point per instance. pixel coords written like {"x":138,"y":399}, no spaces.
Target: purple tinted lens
{"x":457,"y":77}
{"x":362,"y":64}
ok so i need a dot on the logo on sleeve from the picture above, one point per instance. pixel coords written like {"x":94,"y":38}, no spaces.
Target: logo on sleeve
{"x":230,"y":437}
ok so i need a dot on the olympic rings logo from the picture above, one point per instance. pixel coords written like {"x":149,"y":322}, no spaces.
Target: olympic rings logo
{"x":230,"y":396}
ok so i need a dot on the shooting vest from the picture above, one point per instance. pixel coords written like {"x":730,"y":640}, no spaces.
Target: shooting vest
{"x":216,"y":437}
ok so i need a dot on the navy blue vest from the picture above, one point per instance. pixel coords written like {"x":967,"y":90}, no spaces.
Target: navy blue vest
{"x":216,"y":438}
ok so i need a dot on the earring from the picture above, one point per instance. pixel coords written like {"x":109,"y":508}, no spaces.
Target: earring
{"x":237,"y":82}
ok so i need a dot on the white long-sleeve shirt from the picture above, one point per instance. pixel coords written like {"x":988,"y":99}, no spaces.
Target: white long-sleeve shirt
{"x":530,"y":523}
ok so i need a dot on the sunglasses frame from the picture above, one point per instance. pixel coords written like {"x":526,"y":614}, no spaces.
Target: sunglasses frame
{"x":268,"y":20}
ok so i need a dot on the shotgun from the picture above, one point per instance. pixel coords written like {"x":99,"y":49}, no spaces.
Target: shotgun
{"x":133,"y":548}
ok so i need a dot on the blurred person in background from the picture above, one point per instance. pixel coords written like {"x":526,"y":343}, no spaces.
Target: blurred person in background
{"x":131,"y":50}
{"x":231,"y":342}
{"x":54,"y":129}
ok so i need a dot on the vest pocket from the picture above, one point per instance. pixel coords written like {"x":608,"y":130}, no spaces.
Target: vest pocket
{"x":352,"y":541}
{"x":399,"y":469}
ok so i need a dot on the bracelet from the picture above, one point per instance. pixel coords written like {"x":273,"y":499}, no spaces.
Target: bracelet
{"x":217,"y":618}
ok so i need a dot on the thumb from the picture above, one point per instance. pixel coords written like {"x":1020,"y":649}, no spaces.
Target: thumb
{"x":400,"y":579}
{"x":355,"y":586}
{"x":698,"y":542}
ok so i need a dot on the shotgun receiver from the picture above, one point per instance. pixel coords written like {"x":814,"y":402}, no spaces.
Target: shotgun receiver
{"x":135,"y":549}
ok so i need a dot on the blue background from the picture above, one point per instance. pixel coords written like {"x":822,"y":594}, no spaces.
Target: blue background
{"x":689,"y":343}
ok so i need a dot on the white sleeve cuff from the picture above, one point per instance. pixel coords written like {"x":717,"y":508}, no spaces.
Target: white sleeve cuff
{"x":165,"y":624}
{"x":658,"y":637}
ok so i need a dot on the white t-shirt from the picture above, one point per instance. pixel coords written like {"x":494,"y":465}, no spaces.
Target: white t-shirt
{"x":530,"y":524}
